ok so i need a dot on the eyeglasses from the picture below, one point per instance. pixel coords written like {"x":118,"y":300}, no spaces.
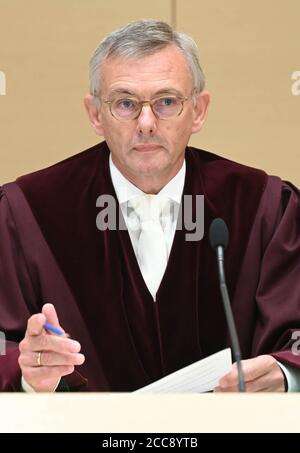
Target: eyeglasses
{"x":163,"y":108}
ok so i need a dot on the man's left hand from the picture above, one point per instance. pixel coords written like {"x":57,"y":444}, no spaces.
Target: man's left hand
{"x":261,"y":374}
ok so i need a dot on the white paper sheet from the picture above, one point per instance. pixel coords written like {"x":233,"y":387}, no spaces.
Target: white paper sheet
{"x":199,"y":377}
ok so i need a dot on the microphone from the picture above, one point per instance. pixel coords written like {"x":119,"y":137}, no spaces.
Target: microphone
{"x":219,"y":236}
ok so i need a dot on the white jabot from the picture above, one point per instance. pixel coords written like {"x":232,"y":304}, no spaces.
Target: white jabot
{"x":170,"y":197}
{"x":152,"y":253}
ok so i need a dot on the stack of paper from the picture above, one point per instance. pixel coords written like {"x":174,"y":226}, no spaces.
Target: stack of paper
{"x":199,"y":377}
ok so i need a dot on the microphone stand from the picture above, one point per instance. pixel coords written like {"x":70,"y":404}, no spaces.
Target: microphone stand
{"x":229,"y":317}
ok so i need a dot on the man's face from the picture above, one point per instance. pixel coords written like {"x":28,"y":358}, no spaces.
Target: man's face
{"x":148,"y":146}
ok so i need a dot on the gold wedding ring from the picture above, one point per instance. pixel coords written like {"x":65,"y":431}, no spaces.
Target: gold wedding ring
{"x":39,"y":358}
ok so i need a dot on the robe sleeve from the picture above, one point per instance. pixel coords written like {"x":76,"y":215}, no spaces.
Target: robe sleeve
{"x":21,"y":295}
{"x":278,"y":292}
{"x":16,"y":298}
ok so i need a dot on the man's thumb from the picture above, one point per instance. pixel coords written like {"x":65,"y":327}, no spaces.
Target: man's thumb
{"x":51,"y":316}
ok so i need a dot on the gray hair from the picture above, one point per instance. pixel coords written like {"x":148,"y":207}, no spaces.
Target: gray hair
{"x":140,"y":39}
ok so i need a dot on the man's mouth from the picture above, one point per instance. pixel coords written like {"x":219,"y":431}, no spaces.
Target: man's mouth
{"x":147,"y":147}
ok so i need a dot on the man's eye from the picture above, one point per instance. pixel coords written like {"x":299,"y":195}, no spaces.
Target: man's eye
{"x":169,"y":101}
{"x":125,"y":104}
{"x":166,"y":102}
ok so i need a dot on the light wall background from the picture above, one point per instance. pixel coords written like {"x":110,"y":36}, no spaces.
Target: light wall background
{"x":249,"y":51}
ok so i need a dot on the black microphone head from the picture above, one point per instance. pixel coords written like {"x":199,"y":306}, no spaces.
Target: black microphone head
{"x":218,"y":233}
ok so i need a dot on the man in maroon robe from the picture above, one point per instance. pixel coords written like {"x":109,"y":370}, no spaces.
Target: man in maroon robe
{"x":147,"y":98}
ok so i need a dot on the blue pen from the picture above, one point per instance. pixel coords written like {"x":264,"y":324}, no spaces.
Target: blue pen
{"x":54,"y":329}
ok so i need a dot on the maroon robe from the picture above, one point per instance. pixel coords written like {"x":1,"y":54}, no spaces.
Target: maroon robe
{"x":51,"y":251}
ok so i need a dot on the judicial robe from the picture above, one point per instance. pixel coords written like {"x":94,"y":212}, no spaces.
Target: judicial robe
{"x":52,"y":251}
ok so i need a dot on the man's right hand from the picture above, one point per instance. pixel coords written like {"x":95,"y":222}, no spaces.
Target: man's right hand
{"x":57,"y":354}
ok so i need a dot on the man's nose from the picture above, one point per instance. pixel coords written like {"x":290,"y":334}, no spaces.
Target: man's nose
{"x":147,"y":121}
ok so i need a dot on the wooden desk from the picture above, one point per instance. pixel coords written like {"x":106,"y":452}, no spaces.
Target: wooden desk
{"x":120,"y":412}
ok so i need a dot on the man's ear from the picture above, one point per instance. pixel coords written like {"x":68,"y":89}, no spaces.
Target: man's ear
{"x":200,"y":110}
{"x":93,"y":114}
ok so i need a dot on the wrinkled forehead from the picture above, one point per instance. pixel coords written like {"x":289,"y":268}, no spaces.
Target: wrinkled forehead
{"x":166,"y":67}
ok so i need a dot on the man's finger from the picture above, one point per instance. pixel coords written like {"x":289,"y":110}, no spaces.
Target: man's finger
{"x":269,"y":382}
{"x":32,"y":374}
{"x":50,"y":359}
{"x":49,"y":311}
{"x":252,"y":369}
{"x":49,"y":343}
{"x":35,"y":324}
